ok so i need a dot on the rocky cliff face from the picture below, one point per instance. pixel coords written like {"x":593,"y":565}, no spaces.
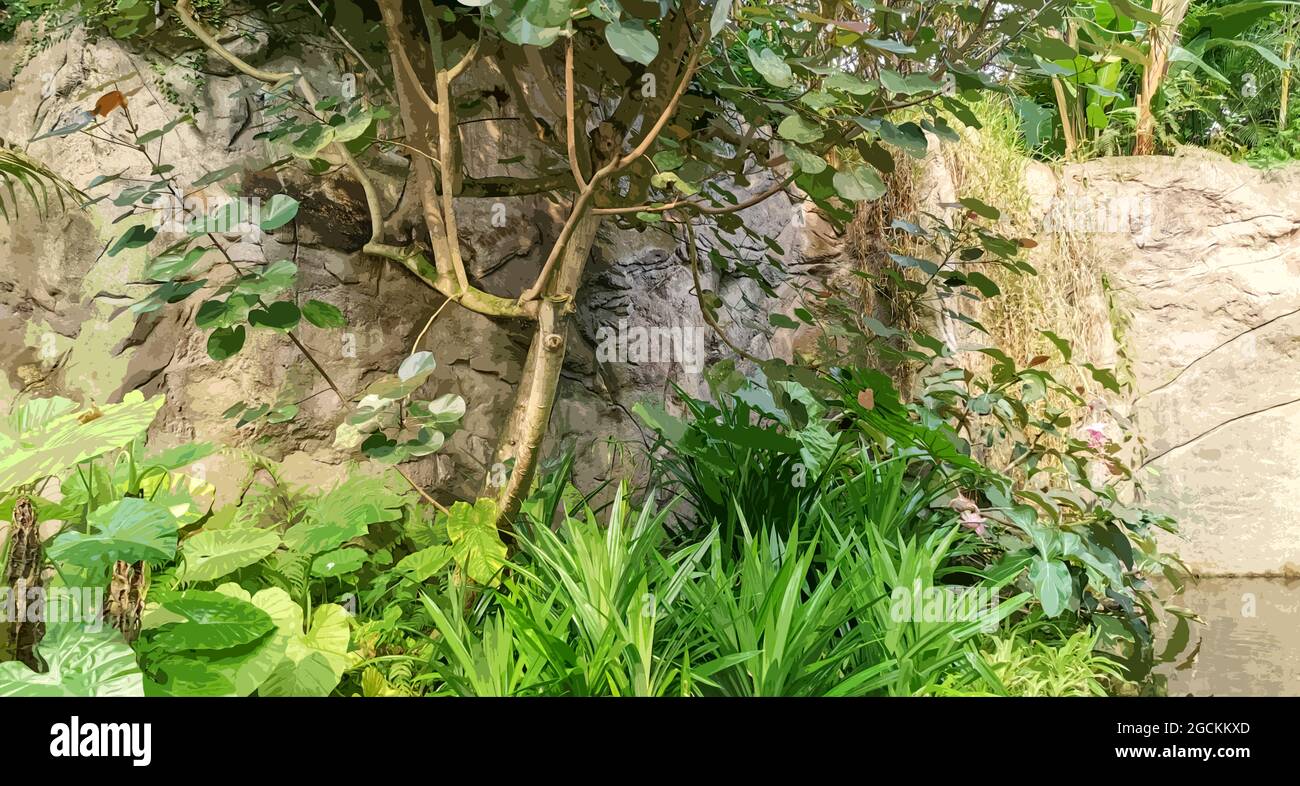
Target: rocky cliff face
{"x":64,"y":328}
{"x":1203,"y":254}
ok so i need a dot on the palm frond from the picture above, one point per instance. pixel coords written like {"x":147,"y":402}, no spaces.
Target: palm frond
{"x":19,"y":170}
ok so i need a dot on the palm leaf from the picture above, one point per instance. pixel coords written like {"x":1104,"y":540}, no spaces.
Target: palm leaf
{"x":19,"y":169}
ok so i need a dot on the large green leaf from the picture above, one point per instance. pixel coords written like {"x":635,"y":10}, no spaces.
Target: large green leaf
{"x":632,"y":41}
{"x":859,"y":183}
{"x":771,"y":67}
{"x":209,"y":555}
{"x":344,"y":513}
{"x":211,"y":621}
{"x":475,"y":542}
{"x":82,"y":663}
{"x":129,"y":529}
{"x":1052,"y":585}
{"x":314,"y":661}
{"x":423,"y":564}
{"x":56,"y":443}
{"x":338,"y":562}
{"x":237,"y":671}
{"x":282,"y":208}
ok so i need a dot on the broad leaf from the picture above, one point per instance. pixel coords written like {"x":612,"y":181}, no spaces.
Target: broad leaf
{"x":129,"y":530}
{"x":44,"y":446}
{"x":475,"y":542}
{"x":209,"y":555}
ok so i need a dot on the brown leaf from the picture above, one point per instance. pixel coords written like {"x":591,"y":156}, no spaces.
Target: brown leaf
{"x":1025,"y":242}
{"x":1038,"y":360}
{"x":852,"y":25}
{"x":108,"y":102}
{"x":867,"y":399}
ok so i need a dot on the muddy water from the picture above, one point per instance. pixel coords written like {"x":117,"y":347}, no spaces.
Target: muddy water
{"x":1249,"y":644}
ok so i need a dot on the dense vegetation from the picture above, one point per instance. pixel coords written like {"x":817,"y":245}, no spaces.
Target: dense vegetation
{"x":884,"y":515}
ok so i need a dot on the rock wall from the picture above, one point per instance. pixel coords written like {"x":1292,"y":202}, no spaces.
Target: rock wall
{"x":1203,"y":254}
{"x":64,"y":328}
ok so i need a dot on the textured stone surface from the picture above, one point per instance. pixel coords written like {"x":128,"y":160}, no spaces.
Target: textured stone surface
{"x":1205,"y":257}
{"x":63,"y":328}
{"x":1203,"y":254}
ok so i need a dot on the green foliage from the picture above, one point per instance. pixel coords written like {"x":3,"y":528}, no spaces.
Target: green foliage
{"x":36,"y":180}
{"x":1222,"y":88}
{"x":80,"y":662}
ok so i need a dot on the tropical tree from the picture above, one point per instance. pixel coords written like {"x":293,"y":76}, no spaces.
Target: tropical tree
{"x":678,"y":115}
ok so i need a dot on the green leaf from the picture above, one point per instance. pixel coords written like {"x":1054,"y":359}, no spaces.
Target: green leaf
{"x":979,"y":208}
{"x":314,"y":661}
{"x":423,"y":564}
{"x":36,"y":443}
{"x":475,"y":543}
{"x":983,"y":283}
{"x":275,"y":277}
{"x":891,"y":46}
{"x":771,"y":67}
{"x":323,"y":315}
{"x":135,"y":237}
{"x":281,"y":315}
{"x":906,"y":85}
{"x":908,"y":136}
{"x":172,"y":264}
{"x":858,"y":182}
{"x":226,"y":342}
{"x":280,"y":211}
{"x":211,"y":621}
{"x":209,"y":555}
{"x":344,"y":513}
{"x":1052,"y":585}
{"x":352,"y":125}
{"x":443,"y":412}
{"x":632,"y":41}
{"x":849,"y":83}
{"x":1105,"y":377}
{"x":804,"y":161}
{"x":416,"y":366}
{"x":339,"y":562}
{"x":797,"y":129}
{"x":82,"y":663}
{"x":718,"y":20}
{"x":312,"y":141}
{"x":130,"y":530}
{"x":1061,"y":344}
{"x":217,"y":176}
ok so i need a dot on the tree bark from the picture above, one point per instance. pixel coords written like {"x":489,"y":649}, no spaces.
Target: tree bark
{"x":1160,"y":41}
{"x":25,"y":582}
{"x":520,"y":443}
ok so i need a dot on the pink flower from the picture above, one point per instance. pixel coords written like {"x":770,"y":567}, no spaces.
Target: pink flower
{"x":1096,"y":434}
{"x":971,"y":519}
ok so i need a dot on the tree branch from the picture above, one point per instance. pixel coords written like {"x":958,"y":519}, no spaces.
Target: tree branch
{"x":476,"y":300}
{"x":569,"y":121}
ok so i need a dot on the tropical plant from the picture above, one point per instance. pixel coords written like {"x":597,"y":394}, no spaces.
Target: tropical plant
{"x":649,"y":116}
{"x":36,"y":179}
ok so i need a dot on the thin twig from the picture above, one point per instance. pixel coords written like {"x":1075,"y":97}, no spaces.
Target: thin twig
{"x":421,"y":491}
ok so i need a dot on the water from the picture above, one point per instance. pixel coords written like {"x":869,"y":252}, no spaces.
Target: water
{"x":1249,"y":644}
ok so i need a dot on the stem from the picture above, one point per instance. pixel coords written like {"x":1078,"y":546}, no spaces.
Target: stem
{"x":421,"y":491}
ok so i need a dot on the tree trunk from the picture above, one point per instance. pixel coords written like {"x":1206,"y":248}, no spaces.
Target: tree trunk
{"x":1160,"y":41}
{"x":25,"y":582}
{"x":519,"y":445}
